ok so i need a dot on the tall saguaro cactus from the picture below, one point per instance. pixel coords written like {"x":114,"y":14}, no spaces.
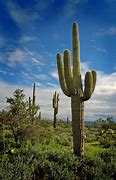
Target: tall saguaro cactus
{"x":55,"y":106}
{"x":71,"y":85}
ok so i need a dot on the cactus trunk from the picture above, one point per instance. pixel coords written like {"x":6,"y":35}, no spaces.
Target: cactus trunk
{"x":30,"y":106}
{"x":40,"y":116}
{"x":77,"y":107}
{"x":55,"y":106}
{"x":54,"y":119}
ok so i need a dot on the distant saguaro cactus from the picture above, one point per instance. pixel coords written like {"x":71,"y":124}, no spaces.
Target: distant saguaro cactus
{"x":33,"y":101}
{"x":30,"y":106}
{"x":39,"y":116}
{"x":71,"y":85}
{"x":55,"y":106}
{"x":33,"y":108}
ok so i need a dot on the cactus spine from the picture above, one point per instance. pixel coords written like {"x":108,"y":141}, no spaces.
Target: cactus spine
{"x":71,"y":85}
{"x":55,"y":106}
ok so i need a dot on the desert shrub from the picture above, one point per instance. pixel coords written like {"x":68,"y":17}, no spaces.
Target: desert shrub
{"x":29,"y":132}
{"x":64,"y":139}
{"x":96,"y":168}
{"x":57,"y":166}
{"x":109,"y":158}
{"x":67,"y":166}
{"x":33,"y":164}
{"x":1,"y":145}
{"x":106,"y":142}
{"x":15,"y":167}
{"x":90,"y":138}
{"x":46,"y":153}
{"x":90,"y":134}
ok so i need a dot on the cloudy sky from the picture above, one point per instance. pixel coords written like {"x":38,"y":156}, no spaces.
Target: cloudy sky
{"x":31,"y":34}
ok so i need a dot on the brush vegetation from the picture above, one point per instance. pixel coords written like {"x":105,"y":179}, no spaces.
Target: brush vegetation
{"x":39,"y":151}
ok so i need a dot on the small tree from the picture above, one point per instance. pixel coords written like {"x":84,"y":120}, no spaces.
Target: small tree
{"x":17,"y":113}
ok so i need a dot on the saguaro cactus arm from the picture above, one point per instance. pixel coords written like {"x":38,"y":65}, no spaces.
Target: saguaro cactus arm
{"x":94,"y":79}
{"x":76,"y":56}
{"x":55,"y":100}
{"x":88,"y":86}
{"x":68,"y":72}
{"x":60,"y":65}
{"x":90,"y":81}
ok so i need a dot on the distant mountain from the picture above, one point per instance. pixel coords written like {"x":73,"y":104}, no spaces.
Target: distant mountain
{"x":89,"y":122}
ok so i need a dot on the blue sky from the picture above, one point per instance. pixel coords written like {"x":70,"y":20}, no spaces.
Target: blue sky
{"x":33,"y":31}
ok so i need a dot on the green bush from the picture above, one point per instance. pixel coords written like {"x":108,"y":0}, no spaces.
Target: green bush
{"x":106,"y":142}
{"x":46,"y":153}
{"x":33,"y":164}
{"x":64,"y":139}
{"x":15,"y":167}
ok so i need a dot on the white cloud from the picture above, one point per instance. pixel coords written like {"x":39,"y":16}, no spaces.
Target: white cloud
{"x":36,"y":61}
{"x":3,"y":72}
{"x":21,"y":16}
{"x":33,"y":76}
{"x":104,"y":98}
{"x":115,"y":67}
{"x":51,"y":84}
{"x":21,"y":57}
{"x":54,"y":74}
{"x":15,"y":57}
{"x":70,"y":8}
{"x":43,"y":98}
{"x":2,"y":41}
{"x":85,"y":66}
{"x":93,"y":40}
{"x":38,"y":84}
{"x":11,"y":74}
{"x":101,"y":49}
{"x":26,"y":16}
{"x":7,"y":73}
{"x":26,"y":75}
{"x":27,"y":39}
{"x":35,"y":57}
{"x":107,"y":31}
{"x":42,"y":5}
{"x":41,"y":76}
{"x":103,"y":101}
{"x":106,"y":83}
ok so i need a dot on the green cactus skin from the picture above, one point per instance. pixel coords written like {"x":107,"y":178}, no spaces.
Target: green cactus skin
{"x":39,"y":116}
{"x":71,"y":85}
{"x":33,"y":95}
{"x":30,"y":106}
{"x":55,"y":106}
{"x":33,"y":108}
{"x":33,"y":103}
